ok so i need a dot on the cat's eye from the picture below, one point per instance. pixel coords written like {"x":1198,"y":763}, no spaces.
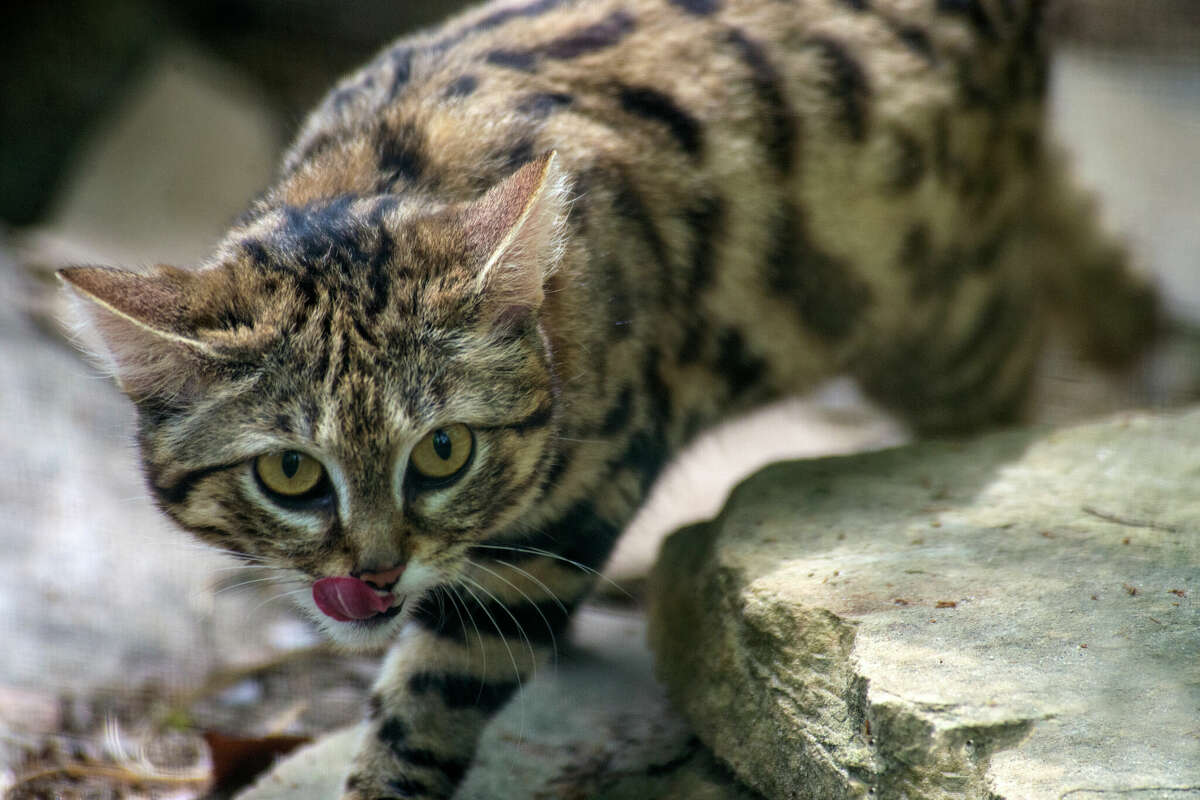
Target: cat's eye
{"x":289,"y":474}
{"x":442,"y":454}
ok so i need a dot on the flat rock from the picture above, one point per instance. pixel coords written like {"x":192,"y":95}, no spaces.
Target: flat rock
{"x":1014,"y":617}
{"x":594,"y":725}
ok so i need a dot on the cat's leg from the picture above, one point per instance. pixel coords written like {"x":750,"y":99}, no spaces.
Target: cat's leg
{"x":469,"y":650}
{"x":969,"y":365}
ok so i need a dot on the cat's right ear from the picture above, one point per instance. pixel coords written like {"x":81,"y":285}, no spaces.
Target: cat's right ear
{"x":518,"y":228}
{"x":140,"y":321}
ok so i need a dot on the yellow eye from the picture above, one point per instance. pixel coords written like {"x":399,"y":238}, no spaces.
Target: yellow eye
{"x":289,"y":473}
{"x":443,"y":452}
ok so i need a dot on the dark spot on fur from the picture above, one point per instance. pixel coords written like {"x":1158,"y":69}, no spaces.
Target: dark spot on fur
{"x":379,"y":276}
{"x":502,"y":16}
{"x":781,"y":132}
{"x":606,"y":33}
{"x":580,"y":535}
{"x":401,"y":61}
{"x":705,"y":221}
{"x":628,"y":205}
{"x":693,"y":344}
{"x":254,"y":251}
{"x":651,"y":104}
{"x":523,"y":60}
{"x":451,"y":768}
{"x":393,"y":733}
{"x":406,"y":787}
{"x":178,"y":492}
{"x":656,"y":387}
{"x":538,"y":418}
{"x":541,"y":622}
{"x":974,"y":13}
{"x":306,"y":288}
{"x":400,"y":154}
{"x":941,"y":144}
{"x":908,"y":162}
{"x":462,"y":86}
{"x":619,"y":415}
{"x":559,"y":463}
{"x":645,"y":455}
{"x":915,"y":250}
{"x":543,"y":104}
{"x":991,"y":322}
{"x":519,"y":154}
{"x":340,"y":98}
{"x":824,"y":291}
{"x":741,"y":369}
{"x":916,"y":40}
{"x":976,"y":93}
{"x":847,"y":85}
{"x":231,"y":318}
{"x":985,"y":256}
{"x":698,"y":7}
{"x":314,"y":148}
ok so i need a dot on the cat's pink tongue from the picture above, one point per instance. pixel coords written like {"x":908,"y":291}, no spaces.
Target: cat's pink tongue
{"x":346,"y":599}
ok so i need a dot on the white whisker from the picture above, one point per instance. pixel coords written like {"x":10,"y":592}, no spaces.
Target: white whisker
{"x":537,"y":551}
{"x":455,"y":598}
{"x":504,"y":641}
{"x":549,"y":627}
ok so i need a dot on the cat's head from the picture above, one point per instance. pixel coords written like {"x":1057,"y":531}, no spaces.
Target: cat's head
{"x":359,"y":387}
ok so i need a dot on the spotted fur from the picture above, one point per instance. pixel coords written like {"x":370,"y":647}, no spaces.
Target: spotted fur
{"x":589,"y":230}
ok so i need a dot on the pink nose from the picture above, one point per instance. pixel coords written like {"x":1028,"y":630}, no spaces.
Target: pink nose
{"x":382,"y":580}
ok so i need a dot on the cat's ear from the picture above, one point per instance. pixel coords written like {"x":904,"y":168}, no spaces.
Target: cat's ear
{"x":518,"y":228}
{"x":141,"y":323}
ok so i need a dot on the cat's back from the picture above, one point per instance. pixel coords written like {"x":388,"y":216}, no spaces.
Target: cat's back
{"x":718,"y":87}
{"x":803,"y":187}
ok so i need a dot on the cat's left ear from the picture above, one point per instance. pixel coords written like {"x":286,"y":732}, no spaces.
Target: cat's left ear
{"x":518,"y":227}
{"x":141,"y":322}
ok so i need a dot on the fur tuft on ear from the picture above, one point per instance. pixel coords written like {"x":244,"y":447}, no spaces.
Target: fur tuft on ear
{"x":519,"y":228}
{"x":140,"y":322}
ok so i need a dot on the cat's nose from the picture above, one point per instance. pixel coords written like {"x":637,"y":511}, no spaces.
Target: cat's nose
{"x":383,"y":579}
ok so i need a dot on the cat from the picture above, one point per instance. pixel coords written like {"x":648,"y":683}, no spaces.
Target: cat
{"x":512,"y":265}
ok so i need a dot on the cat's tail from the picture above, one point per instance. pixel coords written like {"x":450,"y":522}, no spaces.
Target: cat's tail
{"x":1108,"y":307}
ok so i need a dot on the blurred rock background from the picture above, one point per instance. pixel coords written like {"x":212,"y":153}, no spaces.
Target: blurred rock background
{"x":132,"y":131}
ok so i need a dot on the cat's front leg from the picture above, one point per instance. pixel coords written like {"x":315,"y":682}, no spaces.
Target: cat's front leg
{"x":427,"y":709}
{"x":466,"y":653}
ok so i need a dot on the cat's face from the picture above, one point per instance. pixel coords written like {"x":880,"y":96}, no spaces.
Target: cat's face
{"x":353,"y":392}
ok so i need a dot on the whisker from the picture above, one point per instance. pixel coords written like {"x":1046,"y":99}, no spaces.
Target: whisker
{"x":579,"y":441}
{"x":504,"y":641}
{"x":496,"y":625}
{"x":273,"y":598}
{"x":240,"y":584}
{"x":549,"y":627}
{"x":549,"y":592}
{"x":455,"y":598}
{"x":537,"y":551}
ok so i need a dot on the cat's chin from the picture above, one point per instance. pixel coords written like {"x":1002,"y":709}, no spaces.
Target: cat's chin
{"x":363,"y":635}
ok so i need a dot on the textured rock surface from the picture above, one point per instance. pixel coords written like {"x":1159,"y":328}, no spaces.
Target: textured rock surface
{"x":596,"y":725}
{"x":1014,"y":617}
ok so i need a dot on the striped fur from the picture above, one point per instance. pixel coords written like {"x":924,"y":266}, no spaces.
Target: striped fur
{"x":589,"y":230}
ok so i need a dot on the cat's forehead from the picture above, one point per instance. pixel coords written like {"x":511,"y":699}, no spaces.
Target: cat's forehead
{"x":345,"y":239}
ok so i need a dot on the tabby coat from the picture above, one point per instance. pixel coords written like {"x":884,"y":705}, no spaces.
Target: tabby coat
{"x":586,"y":230}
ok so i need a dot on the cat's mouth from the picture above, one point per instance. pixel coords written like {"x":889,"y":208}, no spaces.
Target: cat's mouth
{"x":347,"y":599}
